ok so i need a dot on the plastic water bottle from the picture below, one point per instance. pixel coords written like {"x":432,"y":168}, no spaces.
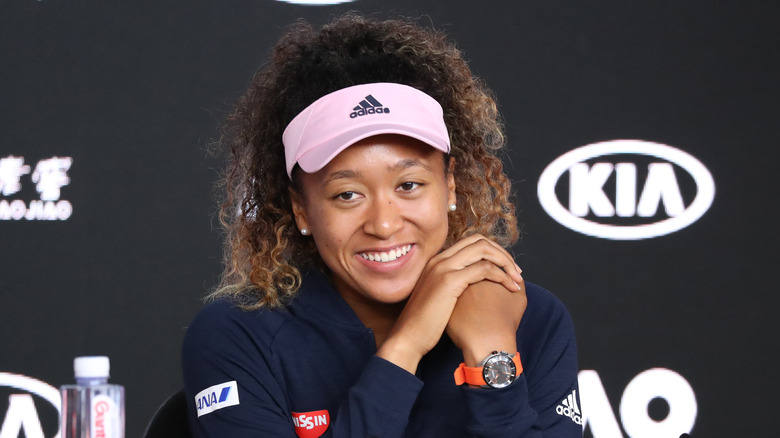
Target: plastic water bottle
{"x":92,"y":408}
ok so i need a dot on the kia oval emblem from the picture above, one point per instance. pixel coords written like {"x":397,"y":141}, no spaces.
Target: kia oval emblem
{"x":660,"y":190}
{"x":21,"y":405}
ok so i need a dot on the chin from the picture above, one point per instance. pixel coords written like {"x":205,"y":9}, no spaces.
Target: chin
{"x":382,"y":296}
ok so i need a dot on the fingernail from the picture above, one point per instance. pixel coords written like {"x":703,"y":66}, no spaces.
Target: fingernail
{"x":518,"y":268}
{"x":518,"y":286}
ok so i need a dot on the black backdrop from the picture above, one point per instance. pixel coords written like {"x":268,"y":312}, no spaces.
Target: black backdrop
{"x":132,"y":93}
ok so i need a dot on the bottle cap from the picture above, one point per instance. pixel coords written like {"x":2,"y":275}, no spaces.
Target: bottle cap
{"x":91,"y":366}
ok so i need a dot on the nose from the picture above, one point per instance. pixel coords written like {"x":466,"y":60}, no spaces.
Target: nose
{"x":383,"y":219}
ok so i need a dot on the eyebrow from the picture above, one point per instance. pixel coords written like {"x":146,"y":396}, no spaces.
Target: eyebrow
{"x":407,"y":163}
{"x":339,"y":174}
{"x":403,"y":164}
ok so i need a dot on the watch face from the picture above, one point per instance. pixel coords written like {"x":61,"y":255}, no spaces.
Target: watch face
{"x":499,"y":371}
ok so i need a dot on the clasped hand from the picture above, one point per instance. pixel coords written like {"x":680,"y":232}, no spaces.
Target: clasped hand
{"x":474,"y":291}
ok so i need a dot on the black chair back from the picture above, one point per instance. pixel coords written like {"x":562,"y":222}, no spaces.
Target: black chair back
{"x":170,"y":420}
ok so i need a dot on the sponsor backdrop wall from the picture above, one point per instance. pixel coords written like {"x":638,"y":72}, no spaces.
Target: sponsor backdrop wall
{"x":642,"y":141}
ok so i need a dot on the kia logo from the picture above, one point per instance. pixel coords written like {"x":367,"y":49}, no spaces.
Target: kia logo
{"x":590,"y":208}
{"x":22,"y":414}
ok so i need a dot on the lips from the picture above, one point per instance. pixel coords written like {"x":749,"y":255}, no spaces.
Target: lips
{"x":386,"y":256}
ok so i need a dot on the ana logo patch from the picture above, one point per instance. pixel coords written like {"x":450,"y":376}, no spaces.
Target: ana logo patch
{"x":626,"y":189}
{"x":311,"y":424}
{"x":217,"y":397}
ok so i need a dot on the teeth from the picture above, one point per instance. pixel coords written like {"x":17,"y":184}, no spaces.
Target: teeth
{"x":389,"y":256}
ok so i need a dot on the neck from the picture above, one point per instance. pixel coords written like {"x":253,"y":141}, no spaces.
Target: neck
{"x":379,"y":317}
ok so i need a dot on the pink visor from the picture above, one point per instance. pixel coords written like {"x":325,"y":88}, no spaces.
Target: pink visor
{"x":344,"y":117}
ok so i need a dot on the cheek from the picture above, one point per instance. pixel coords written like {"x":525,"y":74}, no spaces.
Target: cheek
{"x":328,"y":230}
{"x":317,"y":218}
{"x":431,"y":216}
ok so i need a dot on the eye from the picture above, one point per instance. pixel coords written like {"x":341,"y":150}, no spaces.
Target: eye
{"x":408,"y":186}
{"x":346,"y":196}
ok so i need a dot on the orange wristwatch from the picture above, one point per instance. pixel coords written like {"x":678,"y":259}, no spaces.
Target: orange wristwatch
{"x":498,"y":370}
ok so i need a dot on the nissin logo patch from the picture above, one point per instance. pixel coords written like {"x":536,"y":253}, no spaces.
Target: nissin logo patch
{"x":626,"y":189}
{"x":311,"y":424}
{"x":217,"y":397}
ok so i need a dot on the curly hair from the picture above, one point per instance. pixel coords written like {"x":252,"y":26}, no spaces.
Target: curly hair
{"x":263,"y":252}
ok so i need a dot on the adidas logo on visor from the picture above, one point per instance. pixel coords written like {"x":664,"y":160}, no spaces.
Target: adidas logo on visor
{"x":369,"y":105}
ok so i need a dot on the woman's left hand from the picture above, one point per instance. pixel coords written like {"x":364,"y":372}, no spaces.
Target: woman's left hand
{"x":485,"y":319}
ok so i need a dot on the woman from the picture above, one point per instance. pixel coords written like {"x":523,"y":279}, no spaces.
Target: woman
{"x":367,"y":291}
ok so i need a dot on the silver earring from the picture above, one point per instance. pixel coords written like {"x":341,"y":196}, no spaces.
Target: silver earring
{"x":453,"y":207}
{"x":305,"y":231}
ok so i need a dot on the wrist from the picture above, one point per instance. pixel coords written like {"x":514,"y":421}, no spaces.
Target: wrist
{"x":400,"y":354}
{"x":474,"y":354}
{"x":498,"y":370}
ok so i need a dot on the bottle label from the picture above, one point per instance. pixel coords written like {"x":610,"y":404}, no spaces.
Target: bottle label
{"x":105,"y":418}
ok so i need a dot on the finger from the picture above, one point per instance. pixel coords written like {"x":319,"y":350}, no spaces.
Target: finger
{"x":479,"y":271}
{"x":520,"y":287}
{"x":509,"y":256}
{"x":460,"y":244}
{"x":509,"y":267}
{"x":470,"y":243}
{"x":482,"y":249}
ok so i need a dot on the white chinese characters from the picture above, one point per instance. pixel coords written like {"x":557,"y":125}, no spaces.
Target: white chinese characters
{"x":11,"y":171}
{"x":49,"y":176}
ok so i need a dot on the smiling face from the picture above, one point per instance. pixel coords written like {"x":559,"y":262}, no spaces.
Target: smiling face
{"x":377,"y":213}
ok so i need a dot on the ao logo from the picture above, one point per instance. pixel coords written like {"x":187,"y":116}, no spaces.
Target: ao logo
{"x":586,"y":190}
{"x":649,"y":385}
{"x":22,"y":414}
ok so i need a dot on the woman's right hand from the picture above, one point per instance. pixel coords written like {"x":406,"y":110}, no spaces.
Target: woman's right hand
{"x":425,"y":316}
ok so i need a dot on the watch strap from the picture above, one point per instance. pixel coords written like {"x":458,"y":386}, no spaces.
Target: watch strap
{"x":474,"y":376}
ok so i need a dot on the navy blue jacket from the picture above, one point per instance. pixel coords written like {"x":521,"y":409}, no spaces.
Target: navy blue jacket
{"x":311,"y":370}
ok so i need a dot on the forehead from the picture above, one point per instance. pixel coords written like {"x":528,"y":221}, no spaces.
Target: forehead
{"x":387,"y":152}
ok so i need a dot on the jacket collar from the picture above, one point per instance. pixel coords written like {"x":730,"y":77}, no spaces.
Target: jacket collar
{"x":317,"y":299}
